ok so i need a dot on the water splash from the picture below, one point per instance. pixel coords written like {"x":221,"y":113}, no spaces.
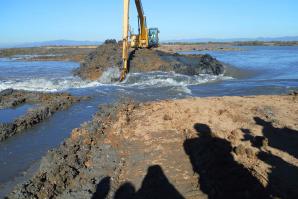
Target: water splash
{"x":170,"y":80}
{"x":111,"y":75}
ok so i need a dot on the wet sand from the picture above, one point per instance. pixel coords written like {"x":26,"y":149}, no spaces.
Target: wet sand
{"x":220,"y":147}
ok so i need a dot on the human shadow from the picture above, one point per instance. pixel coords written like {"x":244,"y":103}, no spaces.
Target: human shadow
{"x":256,"y":141}
{"x":220,"y":176}
{"x":102,"y":189}
{"x":285,"y":139}
{"x":282,"y":180}
{"x":154,"y":186}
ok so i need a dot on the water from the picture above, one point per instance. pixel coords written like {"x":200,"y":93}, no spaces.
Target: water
{"x":10,"y":114}
{"x":270,"y":70}
{"x":275,"y":71}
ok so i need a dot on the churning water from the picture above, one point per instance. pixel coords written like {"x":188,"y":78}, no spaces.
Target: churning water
{"x":273,"y":70}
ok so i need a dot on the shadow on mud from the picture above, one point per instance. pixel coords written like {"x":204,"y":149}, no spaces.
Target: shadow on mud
{"x":220,"y":175}
{"x":282,"y":180}
{"x":284,"y":139}
{"x":154,"y":186}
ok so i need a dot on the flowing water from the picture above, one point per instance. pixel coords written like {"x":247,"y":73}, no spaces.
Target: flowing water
{"x":263,"y":70}
{"x":10,"y":114}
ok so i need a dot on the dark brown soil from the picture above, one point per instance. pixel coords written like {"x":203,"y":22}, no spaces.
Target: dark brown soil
{"x":146,"y":60}
{"x":46,"y":104}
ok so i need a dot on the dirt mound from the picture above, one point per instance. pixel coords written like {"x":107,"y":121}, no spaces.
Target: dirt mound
{"x":146,"y":60}
{"x":228,"y":147}
{"x":45,"y":104}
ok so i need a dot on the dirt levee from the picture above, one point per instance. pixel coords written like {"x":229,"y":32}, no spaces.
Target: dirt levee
{"x":146,"y":60}
{"x":226,"y":147}
{"x":44,"y":105}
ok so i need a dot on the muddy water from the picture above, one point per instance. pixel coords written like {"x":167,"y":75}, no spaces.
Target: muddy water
{"x":10,"y":114}
{"x":21,"y":152}
{"x":272,"y":70}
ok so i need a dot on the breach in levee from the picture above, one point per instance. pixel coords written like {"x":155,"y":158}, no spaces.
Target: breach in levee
{"x":146,"y":38}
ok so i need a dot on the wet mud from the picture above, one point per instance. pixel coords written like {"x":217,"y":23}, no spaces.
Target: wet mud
{"x":42,"y":106}
{"x":146,"y":60}
{"x":223,"y":147}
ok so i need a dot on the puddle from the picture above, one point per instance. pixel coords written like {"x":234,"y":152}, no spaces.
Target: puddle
{"x":10,"y":114}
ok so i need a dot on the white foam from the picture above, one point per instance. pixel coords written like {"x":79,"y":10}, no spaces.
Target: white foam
{"x":111,"y":75}
{"x":47,"y":85}
{"x":177,"y":82}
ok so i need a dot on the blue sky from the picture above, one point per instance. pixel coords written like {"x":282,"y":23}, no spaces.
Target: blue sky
{"x":41,"y":20}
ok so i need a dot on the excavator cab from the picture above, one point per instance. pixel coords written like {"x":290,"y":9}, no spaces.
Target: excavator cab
{"x":153,"y":37}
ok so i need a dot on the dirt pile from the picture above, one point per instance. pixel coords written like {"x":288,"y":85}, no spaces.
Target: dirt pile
{"x":44,"y":105}
{"x":146,"y":60}
{"x":229,"y":147}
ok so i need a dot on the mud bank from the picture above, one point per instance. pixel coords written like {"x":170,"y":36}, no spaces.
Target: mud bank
{"x":146,"y":60}
{"x":48,"y":53}
{"x":224,"y":147}
{"x":43,"y":106}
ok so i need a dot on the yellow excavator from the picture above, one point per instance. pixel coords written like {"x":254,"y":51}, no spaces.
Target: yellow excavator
{"x":146,"y":38}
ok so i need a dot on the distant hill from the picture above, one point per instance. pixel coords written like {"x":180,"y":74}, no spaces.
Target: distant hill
{"x":50,"y":43}
{"x":203,"y":40}
{"x":88,"y":43}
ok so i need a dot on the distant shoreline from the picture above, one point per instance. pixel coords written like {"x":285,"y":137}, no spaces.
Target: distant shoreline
{"x":77,"y":53}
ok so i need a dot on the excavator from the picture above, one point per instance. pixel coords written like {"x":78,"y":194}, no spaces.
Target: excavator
{"x":146,"y":38}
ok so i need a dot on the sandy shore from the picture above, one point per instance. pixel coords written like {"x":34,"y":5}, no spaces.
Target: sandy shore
{"x":221,"y":147}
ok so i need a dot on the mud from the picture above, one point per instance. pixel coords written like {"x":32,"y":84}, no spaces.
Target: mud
{"x":76,"y":168}
{"x":228,"y":147}
{"x":44,"y":105}
{"x":51,"y":53}
{"x":146,"y":60}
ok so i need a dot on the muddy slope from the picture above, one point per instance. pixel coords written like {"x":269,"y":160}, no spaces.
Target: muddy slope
{"x":79,"y":164}
{"x":145,"y":60}
{"x":228,"y":147}
{"x":45,"y":104}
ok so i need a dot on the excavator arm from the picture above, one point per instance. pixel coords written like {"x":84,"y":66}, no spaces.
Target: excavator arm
{"x":125,"y":40}
{"x":138,"y":41}
{"x":143,"y":31}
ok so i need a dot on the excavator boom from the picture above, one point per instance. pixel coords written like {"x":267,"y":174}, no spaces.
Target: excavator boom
{"x":125,"y":41}
{"x":145,"y":38}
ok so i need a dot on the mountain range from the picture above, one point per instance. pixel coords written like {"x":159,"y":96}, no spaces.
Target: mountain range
{"x":50,"y":43}
{"x":88,"y":43}
{"x":265,"y":39}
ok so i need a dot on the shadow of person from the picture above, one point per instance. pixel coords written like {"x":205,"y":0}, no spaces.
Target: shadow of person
{"x":126,"y":191}
{"x":284,"y":139}
{"x":282,"y":180}
{"x":154,"y":186}
{"x":220,"y":176}
{"x":102,"y":189}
